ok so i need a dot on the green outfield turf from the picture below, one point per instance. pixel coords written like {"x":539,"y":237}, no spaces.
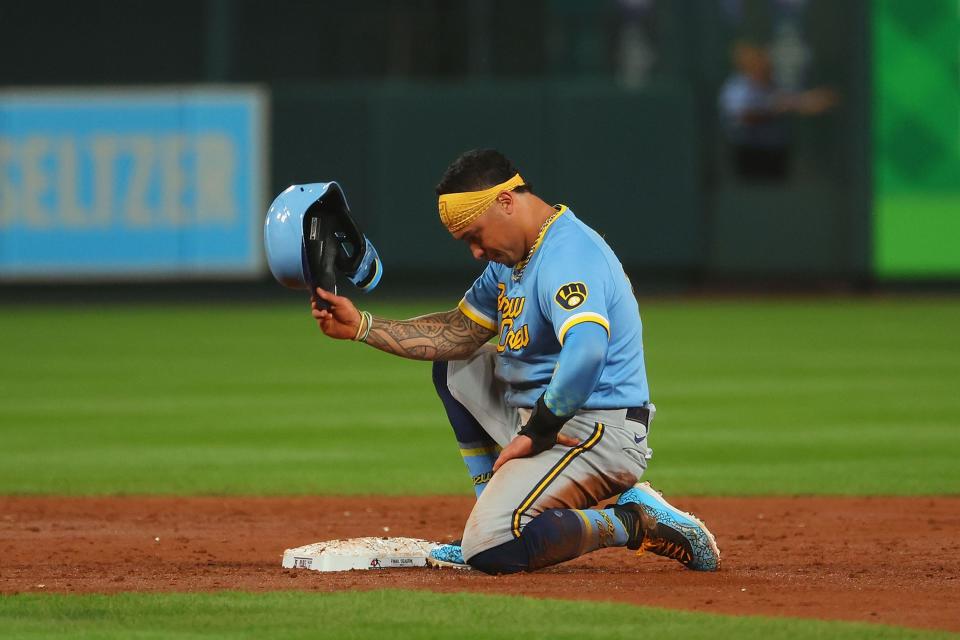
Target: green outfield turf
{"x":387,"y":614}
{"x":755,"y":397}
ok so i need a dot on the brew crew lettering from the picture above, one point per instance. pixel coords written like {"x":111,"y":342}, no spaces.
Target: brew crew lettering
{"x":510,"y":339}
{"x":508,"y":307}
{"x":509,"y":310}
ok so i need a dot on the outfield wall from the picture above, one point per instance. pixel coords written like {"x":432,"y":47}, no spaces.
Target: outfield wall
{"x":641,"y":155}
{"x":159,"y":204}
{"x":132,"y":183}
{"x":917,"y":139}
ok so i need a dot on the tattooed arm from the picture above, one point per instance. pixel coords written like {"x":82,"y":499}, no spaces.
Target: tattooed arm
{"x":448,"y":335}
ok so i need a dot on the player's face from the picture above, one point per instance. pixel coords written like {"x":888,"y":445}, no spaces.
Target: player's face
{"x":492,"y":238}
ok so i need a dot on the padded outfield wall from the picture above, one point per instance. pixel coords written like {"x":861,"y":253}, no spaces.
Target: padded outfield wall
{"x":917,"y":139}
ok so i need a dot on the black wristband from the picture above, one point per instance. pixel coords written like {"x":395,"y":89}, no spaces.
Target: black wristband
{"x":542,"y":427}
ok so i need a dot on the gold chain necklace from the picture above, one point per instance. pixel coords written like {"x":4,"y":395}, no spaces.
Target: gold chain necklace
{"x":520,"y":266}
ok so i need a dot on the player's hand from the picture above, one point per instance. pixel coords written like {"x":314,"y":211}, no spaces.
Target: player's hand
{"x":341,"y":321}
{"x":522,"y":447}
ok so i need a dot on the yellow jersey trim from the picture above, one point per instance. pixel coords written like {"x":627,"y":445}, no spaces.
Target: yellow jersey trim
{"x":520,"y":266}
{"x":577,"y":318}
{"x":475,"y":314}
{"x":561,"y":209}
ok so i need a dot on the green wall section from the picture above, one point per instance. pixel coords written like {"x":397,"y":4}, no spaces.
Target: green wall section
{"x":916,"y":139}
{"x":625,"y":161}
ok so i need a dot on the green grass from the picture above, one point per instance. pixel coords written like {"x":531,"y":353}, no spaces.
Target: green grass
{"x":831,"y":396}
{"x":385,"y":614}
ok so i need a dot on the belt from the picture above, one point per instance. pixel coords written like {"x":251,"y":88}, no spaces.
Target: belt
{"x":639,"y":414}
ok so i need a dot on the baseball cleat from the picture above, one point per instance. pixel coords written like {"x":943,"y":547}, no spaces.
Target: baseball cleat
{"x":447,"y":556}
{"x":667,"y":531}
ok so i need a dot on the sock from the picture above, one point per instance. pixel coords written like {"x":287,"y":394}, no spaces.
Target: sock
{"x":478,"y":449}
{"x":555,"y":536}
{"x":479,"y":458}
{"x":630,"y":520}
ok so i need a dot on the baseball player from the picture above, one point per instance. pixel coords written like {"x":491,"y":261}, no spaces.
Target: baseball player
{"x":552,"y":414}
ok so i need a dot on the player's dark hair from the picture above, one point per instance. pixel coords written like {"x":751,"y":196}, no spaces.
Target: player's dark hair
{"x":478,"y":169}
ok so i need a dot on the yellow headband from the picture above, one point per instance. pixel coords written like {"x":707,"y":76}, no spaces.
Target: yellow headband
{"x":457,"y":210}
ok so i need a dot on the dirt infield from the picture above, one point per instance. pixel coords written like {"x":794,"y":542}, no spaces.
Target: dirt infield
{"x":886,"y":560}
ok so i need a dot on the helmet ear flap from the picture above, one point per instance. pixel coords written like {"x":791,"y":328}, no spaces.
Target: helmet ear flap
{"x":368,"y":273}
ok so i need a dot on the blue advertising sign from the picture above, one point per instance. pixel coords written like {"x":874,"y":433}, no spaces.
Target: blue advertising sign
{"x":129,"y":183}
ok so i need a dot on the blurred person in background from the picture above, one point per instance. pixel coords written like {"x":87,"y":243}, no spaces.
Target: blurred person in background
{"x":756,"y":114}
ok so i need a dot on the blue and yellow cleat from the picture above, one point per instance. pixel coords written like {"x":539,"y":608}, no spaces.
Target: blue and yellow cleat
{"x":447,"y":556}
{"x":667,"y":531}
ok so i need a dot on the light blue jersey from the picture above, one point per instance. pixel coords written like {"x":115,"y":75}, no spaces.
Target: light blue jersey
{"x":572,"y":277}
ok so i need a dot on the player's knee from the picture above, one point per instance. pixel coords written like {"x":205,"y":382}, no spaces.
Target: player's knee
{"x":509,"y":557}
{"x":440,"y":377}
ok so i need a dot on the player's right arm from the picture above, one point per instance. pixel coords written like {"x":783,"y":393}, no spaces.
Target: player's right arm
{"x":447,"y":335}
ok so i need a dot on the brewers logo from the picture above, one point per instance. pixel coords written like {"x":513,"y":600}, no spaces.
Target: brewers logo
{"x":572,"y":295}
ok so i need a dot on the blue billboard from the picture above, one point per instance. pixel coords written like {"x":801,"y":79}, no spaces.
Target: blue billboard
{"x":132,"y":183}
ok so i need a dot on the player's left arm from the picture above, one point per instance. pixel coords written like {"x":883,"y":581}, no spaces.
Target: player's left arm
{"x":578,"y":369}
{"x":576,"y":375}
{"x":583,"y":331}
{"x":574,"y":298}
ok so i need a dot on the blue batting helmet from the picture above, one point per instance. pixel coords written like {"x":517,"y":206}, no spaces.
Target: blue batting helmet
{"x":309,"y":231}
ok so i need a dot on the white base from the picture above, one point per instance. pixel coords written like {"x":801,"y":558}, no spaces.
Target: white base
{"x":360,"y":553}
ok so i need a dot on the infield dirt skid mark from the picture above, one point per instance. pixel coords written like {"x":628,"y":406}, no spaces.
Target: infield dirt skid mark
{"x":885,"y":560}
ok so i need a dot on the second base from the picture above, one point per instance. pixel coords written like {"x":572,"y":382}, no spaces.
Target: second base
{"x":360,"y":553}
